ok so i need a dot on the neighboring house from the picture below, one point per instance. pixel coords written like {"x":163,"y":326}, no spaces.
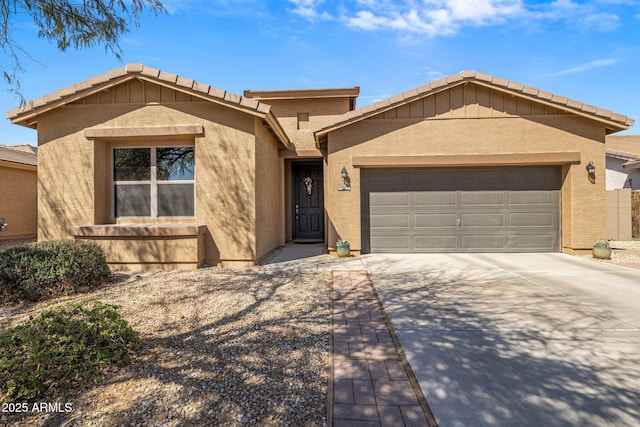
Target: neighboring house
{"x":163,"y":171}
{"x":18,"y":191}
{"x":623,"y":162}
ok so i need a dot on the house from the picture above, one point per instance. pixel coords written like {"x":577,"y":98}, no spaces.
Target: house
{"x":166,"y":172}
{"x":623,"y":187}
{"x":18,"y":191}
{"x":623,"y":162}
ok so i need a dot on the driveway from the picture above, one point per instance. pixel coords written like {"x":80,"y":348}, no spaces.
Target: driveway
{"x":517,"y":339}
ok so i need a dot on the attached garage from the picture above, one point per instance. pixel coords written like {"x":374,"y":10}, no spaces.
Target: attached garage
{"x":509,"y":209}
{"x":468,"y":163}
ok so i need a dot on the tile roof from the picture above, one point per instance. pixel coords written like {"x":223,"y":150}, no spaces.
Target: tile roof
{"x":24,"y":114}
{"x":616,"y":121}
{"x":627,"y":146}
{"x":13,"y":155}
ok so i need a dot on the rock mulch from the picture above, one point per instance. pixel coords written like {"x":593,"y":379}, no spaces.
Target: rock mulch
{"x":623,"y":253}
{"x":224,"y":347}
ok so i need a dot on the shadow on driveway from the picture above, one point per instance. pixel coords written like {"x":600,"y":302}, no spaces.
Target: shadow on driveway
{"x":513,"y":340}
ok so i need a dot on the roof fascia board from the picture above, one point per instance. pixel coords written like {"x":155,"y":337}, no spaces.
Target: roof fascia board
{"x":632,"y":165}
{"x":303,"y":93}
{"x":610,"y":124}
{"x":615,"y":125}
{"x":17,"y":165}
{"x":239,"y":106}
{"x":381,"y":110}
{"x":61,"y":102}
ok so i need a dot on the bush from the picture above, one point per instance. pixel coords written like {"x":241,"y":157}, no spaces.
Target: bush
{"x":61,"y":348}
{"x":39,"y":271}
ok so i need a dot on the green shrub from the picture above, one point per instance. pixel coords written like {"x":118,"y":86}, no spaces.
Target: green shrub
{"x":39,"y":271}
{"x":61,"y":348}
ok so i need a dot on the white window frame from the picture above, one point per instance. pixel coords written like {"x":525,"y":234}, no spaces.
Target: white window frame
{"x":154,"y":182}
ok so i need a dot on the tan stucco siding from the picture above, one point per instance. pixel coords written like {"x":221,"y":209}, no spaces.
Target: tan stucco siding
{"x":554,"y":133}
{"x":319,"y":110}
{"x":18,"y":200}
{"x":65,"y":176}
{"x":76,"y":167}
{"x":471,"y":101}
{"x":268,"y":193}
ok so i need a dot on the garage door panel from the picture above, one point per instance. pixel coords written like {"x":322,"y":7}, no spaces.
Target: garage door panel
{"x":399,"y":220}
{"x":511,"y":209}
{"x":482,"y":219}
{"x":482,"y":198}
{"x":439,"y":243}
{"x":528,"y":198}
{"x":530,"y":242}
{"x":533,"y":219}
{"x":390,"y":199}
{"x":436,"y":220}
{"x":391,"y":243}
{"x":484,"y":242}
{"x":439,"y":199}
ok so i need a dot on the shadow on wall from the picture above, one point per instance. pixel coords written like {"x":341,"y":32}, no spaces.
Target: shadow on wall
{"x":498,"y":363}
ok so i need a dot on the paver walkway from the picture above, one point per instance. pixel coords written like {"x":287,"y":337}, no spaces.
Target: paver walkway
{"x":372,"y":382}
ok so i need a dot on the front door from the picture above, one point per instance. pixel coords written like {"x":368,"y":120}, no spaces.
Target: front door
{"x":308,"y":209}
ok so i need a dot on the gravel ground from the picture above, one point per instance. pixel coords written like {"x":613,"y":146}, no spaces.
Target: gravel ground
{"x":624,"y":252}
{"x":223,"y":347}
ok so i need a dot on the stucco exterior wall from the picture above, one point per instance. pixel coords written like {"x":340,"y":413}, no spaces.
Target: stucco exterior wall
{"x":18,"y":200}
{"x":620,"y":177}
{"x":76,"y":176}
{"x":319,"y":110}
{"x":475,"y":135}
{"x":269,"y":187}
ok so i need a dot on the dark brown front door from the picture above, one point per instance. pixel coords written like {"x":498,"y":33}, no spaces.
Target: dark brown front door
{"x":308,"y":209}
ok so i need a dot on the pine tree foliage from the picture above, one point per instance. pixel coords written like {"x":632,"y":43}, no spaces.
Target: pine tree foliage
{"x":68,"y":24}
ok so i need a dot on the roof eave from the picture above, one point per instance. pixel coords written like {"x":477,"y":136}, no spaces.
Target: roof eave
{"x":611,"y":125}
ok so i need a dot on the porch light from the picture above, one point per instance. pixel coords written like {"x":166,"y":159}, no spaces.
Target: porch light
{"x":591,"y":169}
{"x":343,"y":173}
{"x":3,"y":225}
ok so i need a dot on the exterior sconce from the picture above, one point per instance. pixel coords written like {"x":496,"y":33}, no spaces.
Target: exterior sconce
{"x":346,"y":181}
{"x":591,"y":170}
{"x":3,"y":225}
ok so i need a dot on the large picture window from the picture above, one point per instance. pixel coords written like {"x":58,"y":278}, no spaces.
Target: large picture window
{"x":154,"y":182}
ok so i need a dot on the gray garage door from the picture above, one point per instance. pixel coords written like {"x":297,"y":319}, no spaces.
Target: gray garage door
{"x":510,"y":209}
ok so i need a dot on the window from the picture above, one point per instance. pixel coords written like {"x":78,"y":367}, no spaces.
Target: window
{"x":153,"y":182}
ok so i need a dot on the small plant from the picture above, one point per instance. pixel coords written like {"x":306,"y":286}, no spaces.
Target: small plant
{"x":61,"y":348}
{"x":602,"y":243}
{"x":341,"y":243}
{"x":39,"y":271}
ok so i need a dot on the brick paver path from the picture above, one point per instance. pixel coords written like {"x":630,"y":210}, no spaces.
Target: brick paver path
{"x":372,"y":382}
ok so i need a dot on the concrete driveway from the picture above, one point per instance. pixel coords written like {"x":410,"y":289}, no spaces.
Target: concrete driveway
{"x":517,"y":339}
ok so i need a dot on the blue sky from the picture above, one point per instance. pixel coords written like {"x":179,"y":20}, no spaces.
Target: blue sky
{"x":586,"y":50}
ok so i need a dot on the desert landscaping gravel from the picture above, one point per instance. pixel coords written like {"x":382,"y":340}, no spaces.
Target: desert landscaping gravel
{"x":223,"y":347}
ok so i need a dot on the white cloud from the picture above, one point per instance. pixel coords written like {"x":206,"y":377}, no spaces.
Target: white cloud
{"x":446,"y":17}
{"x":431,"y":17}
{"x":585,"y":67}
{"x":308,"y":9}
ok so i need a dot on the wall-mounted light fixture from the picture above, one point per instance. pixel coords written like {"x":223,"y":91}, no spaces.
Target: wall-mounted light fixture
{"x":3,"y":225}
{"x":591,"y":170}
{"x":346,"y":181}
